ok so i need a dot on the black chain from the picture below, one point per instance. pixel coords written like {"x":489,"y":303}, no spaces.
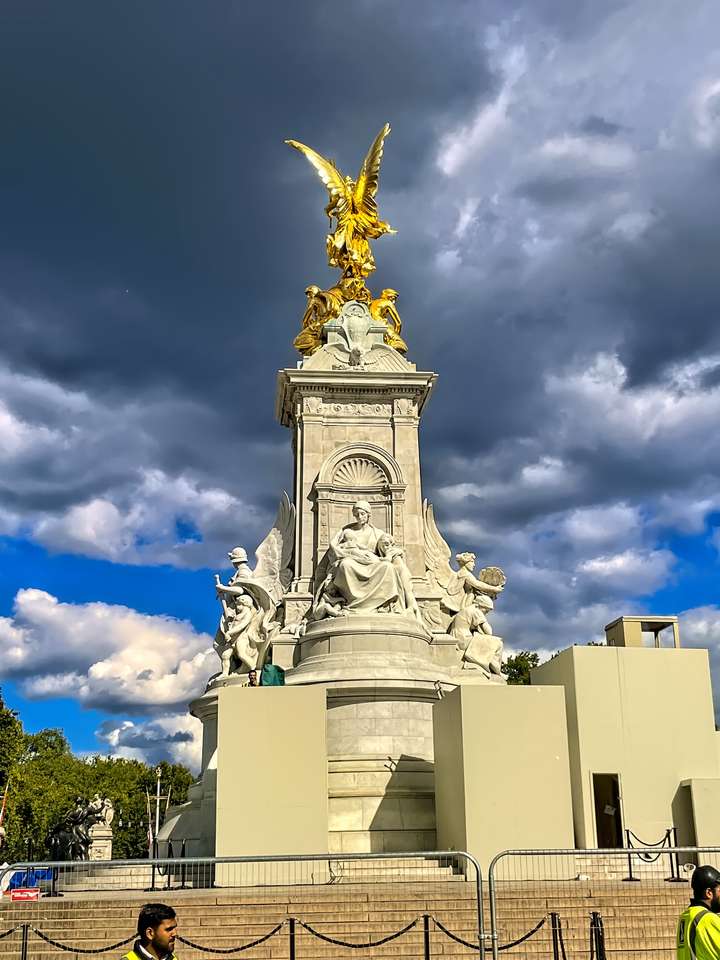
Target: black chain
{"x":509,"y":946}
{"x":359,"y":946}
{"x":71,"y":949}
{"x":453,"y":936}
{"x":648,"y":857}
{"x":7,"y":933}
{"x":226,"y":950}
{"x":474,"y":946}
{"x":658,"y":843}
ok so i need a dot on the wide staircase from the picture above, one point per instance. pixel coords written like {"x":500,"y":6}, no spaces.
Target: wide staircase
{"x":357,"y":907}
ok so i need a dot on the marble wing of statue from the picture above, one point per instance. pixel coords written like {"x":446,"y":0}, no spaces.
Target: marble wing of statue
{"x":437,"y":552}
{"x":340,"y":191}
{"x":274,"y":555}
{"x":369,"y":177}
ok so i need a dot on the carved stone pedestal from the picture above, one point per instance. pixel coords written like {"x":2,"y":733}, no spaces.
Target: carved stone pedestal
{"x":101,"y":838}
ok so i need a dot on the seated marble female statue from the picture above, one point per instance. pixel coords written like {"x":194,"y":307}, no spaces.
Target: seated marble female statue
{"x":367,"y":570}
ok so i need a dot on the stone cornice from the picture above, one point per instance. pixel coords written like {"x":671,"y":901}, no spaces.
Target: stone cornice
{"x":292,"y":383}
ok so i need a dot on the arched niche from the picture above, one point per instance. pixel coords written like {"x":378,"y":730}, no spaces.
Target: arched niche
{"x":358,"y":471}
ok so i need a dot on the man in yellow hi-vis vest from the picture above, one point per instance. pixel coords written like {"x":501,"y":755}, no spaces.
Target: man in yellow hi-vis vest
{"x":157,"y":929}
{"x":698,"y":932}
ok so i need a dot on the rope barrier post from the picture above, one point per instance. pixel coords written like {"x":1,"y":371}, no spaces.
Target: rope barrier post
{"x":171,"y":856}
{"x":53,"y":871}
{"x":426,"y":936}
{"x":291,"y":938}
{"x":674,"y":857}
{"x":555,"y":939}
{"x":53,"y":885}
{"x":24,"y":945}
{"x":629,"y":878}
{"x":183,"y":866}
{"x":597,"y":937}
{"x":152,"y":887}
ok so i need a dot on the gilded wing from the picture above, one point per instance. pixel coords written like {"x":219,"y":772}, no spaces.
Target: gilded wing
{"x":369,"y":176}
{"x":339,"y":191}
{"x":437,"y":552}
{"x":274,"y":555}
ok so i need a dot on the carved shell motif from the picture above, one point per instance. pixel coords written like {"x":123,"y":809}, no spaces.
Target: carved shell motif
{"x":359,"y":472}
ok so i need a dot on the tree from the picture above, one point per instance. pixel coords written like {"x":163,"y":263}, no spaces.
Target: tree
{"x":46,"y":778}
{"x":11,"y":742}
{"x":517,"y":668}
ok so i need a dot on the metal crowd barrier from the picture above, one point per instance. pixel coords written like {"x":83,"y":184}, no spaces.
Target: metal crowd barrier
{"x":590,"y":891}
{"x":437,"y":892}
{"x":556,"y":903}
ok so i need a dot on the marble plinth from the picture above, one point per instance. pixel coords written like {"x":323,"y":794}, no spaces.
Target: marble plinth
{"x":101,"y":838}
{"x":381,"y":682}
{"x":368,"y":653}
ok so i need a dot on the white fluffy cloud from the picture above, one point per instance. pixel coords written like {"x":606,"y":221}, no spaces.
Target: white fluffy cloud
{"x":107,"y":657}
{"x":114,"y":659}
{"x":470,"y":140}
{"x":145,"y":523}
{"x":176,"y":737}
{"x":700,"y":627}
{"x":79,"y":472}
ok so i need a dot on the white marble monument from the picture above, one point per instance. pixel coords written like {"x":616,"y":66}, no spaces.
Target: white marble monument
{"x":353,"y":589}
{"x":384,"y":737}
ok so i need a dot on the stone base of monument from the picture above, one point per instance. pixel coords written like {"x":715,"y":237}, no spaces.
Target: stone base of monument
{"x":382,"y":682}
{"x":379,"y":650}
{"x":101,"y":838}
{"x":380,"y":675}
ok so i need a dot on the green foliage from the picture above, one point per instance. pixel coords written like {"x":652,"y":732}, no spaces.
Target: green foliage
{"x":11,"y":741}
{"x":517,"y":668}
{"x":45,"y":779}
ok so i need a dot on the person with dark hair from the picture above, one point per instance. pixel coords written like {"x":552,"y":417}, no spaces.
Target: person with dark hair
{"x":157,"y":929}
{"x":698,"y":931}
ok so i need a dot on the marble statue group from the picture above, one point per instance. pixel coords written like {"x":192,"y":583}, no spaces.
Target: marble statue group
{"x":363,"y":572}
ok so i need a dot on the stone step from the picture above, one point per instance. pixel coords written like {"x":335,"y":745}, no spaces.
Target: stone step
{"x":358,"y":912}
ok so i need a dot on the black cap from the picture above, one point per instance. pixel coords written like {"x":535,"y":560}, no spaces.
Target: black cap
{"x":704,"y":877}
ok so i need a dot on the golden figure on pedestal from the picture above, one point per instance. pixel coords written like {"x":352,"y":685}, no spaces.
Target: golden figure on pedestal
{"x":353,"y":208}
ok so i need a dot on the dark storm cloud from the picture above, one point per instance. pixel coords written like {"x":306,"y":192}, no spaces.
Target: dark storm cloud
{"x":600,"y":126}
{"x":559,"y":190}
{"x":553,"y":172}
{"x":154,"y":205}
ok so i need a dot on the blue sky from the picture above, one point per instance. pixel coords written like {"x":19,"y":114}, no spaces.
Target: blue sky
{"x":554,"y":175}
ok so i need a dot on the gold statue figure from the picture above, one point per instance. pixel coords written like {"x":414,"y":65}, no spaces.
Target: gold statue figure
{"x":383,"y":310}
{"x":324,"y":305}
{"x":352,"y":205}
{"x":353,"y":208}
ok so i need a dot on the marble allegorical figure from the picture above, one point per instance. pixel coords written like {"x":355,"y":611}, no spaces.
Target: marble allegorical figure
{"x":367,"y":573}
{"x":240,"y":639}
{"x":475,"y":643}
{"x":249,"y":619}
{"x":466,"y":598}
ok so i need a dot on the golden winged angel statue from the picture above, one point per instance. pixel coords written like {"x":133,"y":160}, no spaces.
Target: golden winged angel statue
{"x":353,"y":208}
{"x":352,"y":205}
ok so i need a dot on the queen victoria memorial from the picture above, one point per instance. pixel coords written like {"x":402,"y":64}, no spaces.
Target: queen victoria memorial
{"x":395,"y":729}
